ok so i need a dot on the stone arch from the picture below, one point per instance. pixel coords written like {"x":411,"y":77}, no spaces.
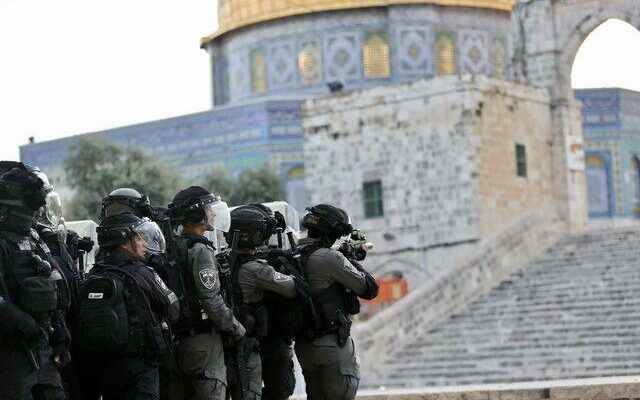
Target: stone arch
{"x":546,"y":36}
{"x":576,"y":34}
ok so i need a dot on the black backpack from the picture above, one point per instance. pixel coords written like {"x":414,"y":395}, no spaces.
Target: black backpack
{"x":115,"y":316}
{"x":291,"y":317}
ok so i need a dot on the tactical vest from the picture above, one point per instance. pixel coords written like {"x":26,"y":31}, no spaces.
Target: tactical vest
{"x":334,"y":306}
{"x":115,"y":316}
{"x":192,"y":319}
{"x":253,"y":316}
{"x":30,"y":283}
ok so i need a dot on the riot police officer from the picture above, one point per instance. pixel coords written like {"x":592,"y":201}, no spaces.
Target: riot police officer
{"x":328,"y":359}
{"x":276,"y":348}
{"x":31,"y":289}
{"x":205,"y":317}
{"x":254,"y":282}
{"x":125,"y":309}
{"x":50,"y":228}
{"x":127,"y":200}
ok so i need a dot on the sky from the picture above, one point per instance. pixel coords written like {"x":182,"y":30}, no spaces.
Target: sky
{"x":75,"y":66}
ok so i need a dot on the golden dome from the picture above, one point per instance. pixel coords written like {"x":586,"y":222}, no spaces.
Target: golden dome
{"x":234,"y":14}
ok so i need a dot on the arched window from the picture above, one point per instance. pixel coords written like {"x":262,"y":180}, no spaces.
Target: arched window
{"x":598,"y":191}
{"x":258,"y":71}
{"x":375,"y":56}
{"x":445,"y":53}
{"x":310,"y":63}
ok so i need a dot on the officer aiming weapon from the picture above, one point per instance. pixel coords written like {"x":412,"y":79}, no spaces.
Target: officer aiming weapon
{"x":356,"y":246}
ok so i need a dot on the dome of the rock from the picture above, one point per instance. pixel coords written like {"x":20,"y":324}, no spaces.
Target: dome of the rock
{"x":276,"y":48}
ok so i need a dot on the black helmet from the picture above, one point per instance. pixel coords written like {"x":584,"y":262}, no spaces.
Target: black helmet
{"x":125,"y":200}
{"x":276,"y":218}
{"x":196,"y":204}
{"x":253,"y":226}
{"x":118,"y":229}
{"x":327,"y":220}
{"x":22,"y":185}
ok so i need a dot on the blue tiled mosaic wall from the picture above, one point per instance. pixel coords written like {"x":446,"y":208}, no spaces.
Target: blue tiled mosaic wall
{"x":235,"y":138}
{"x":611,"y":126}
{"x":302,"y":54}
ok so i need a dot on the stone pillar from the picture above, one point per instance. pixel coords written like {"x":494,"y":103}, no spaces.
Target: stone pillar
{"x":535,"y":60}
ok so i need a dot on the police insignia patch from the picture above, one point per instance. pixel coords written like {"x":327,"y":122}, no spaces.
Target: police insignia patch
{"x":208,"y":278}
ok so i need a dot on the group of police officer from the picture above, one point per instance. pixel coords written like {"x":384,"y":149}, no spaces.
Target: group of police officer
{"x":163,"y":313}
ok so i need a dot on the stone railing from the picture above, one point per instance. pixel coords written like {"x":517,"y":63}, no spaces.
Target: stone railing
{"x":495,"y":260}
{"x":615,"y":388}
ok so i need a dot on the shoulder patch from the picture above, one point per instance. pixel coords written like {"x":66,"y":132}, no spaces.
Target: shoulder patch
{"x":208,"y":278}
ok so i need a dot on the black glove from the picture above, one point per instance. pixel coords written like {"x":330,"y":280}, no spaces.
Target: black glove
{"x":17,"y":325}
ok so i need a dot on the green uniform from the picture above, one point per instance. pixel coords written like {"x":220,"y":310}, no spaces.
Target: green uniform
{"x":256,"y":277}
{"x":331,"y":371}
{"x":200,"y":353}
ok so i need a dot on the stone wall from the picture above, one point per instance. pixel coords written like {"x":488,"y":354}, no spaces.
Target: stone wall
{"x":506,"y":116}
{"x":444,"y":152}
{"x":613,"y":388}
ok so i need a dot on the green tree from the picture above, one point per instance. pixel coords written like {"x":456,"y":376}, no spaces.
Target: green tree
{"x":218,"y":182}
{"x":257,"y":186}
{"x":95,"y":167}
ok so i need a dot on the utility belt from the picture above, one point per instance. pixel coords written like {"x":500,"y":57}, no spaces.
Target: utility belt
{"x":255,"y":319}
{"x":193,"y":327}
{"x":340,"y":326}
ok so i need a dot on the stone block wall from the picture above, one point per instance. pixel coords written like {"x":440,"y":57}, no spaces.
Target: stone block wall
{"x":444,"y":152}
{"x":507,"y":116}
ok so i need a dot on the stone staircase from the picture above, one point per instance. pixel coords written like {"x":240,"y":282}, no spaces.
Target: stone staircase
{"x":573,"y":313}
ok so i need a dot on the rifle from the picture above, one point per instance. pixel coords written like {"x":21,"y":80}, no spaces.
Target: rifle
{"x":233,"y":298}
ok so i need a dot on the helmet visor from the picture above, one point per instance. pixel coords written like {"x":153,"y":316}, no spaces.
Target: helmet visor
{"x":152,"y":234}
{"x":53,"y":209}
{"x":217,"y":216}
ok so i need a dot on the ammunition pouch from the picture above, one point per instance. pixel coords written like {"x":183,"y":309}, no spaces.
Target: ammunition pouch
{"x":38,"y":296}
{"x":334,"y":306}
{"x":255,"y":319}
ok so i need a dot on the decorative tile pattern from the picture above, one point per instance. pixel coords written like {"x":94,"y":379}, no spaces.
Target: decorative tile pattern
{"x":414,"y":52}
{"x":375,"y":55}
{"x":310,"y":62}
{"x":258,"y":71}
{"x":474,"y":52}
{"x":239,"y":74}
{"x":445,"y":47}
{"x":342,"y":62}
{"x":281,"y":62}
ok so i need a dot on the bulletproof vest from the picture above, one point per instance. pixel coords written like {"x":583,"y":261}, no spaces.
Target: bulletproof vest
{"x":115,"y":317}
{"x":68,"y":287}
{"x":334,"y":306}
{"x":30,"y":282}
{"x":253,"y":316}
{"x":192,"y":318}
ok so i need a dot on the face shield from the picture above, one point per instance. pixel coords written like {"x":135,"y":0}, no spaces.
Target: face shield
{"x":152,"y":235}
{"x":216,"y":214}
{"x":53,"y":209}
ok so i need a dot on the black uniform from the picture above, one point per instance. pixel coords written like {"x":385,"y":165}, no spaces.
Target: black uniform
{"x":57,"y":243}
{"x":32,"y":290}
{"x":133,"y":375}
{"x":32,"y":318}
